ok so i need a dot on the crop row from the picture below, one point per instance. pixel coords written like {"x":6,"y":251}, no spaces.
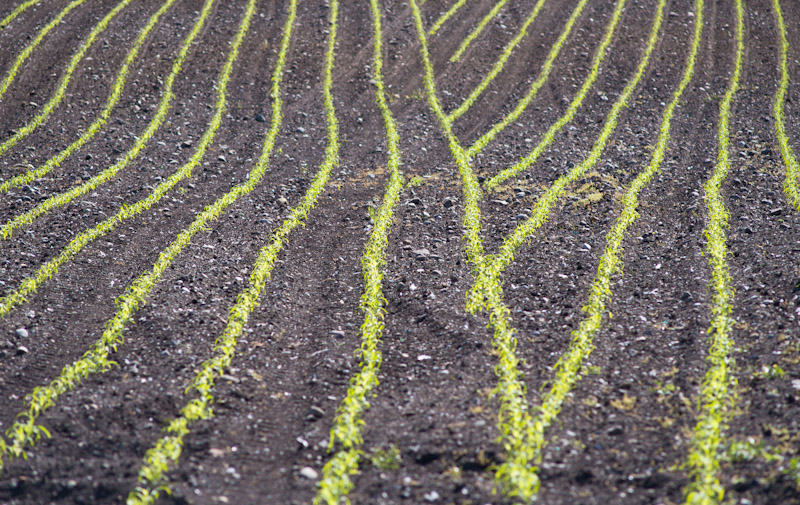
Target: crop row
{"x":28,"y":50}
{"x":16,"y":12}
{"x":717,"y":393}
{"x":522,"y":434}
{"x":24,"y":431}
{"x":27,"y":218}
{"x":116,"y":93}
{"x":444,"y":17}
{"x":61,"y":90}
{"x":790,"y":184}
{"x":475,"y":33}
{"x":550,"y":136}
{"x":501,"y":61}
{"x":522,"y":426}
{"x":347,"y":426}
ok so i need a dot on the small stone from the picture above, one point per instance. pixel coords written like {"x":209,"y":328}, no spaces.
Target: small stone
{"x":300,"y":129}
{"x":260,"y":118}
{"x":448,"y":203}
{"x":315,"y":411}
{"x":22,"y":350}
{"x":432,"y":496}
{"x":522,"y":217}
{"x":21,"y":333}
{"x":309,"y":473}
{"x":615,"y":430}
{"x":221,"y":158}
{"x":423,"y":357}
{"x":283,"y":201}
{"x":186,"y":144}
{"x":338,"y":333}
{"x":776,"y":212}
{"x":421,"y":252}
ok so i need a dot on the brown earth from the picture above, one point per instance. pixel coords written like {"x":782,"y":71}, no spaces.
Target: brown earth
{"x":623,"y":434}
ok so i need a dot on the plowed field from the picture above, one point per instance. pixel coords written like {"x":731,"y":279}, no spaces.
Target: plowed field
{"x":388,"y":252}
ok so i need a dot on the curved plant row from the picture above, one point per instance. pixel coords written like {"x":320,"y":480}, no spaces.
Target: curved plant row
{"x":500,"y":63}
{"x":550,"y":136}
{"x":517,"y":476}
{"x":475,"y":33}
{"x":444,"y":17}
{"x":718,"y":392}
{"x":569,"y":365}
{"x":790,"y":184}
{"x":116,"y":93}
{"x":128,"y":211}
{"x":167,"y":450}
{"x":347,"y":426}
{"x":28,"y":50}
{"x":25,"y":431}
{"x":544,"y":75}
{"x":17,"y":11}
{"x":61,"y":90}
{"x":27,"y":218}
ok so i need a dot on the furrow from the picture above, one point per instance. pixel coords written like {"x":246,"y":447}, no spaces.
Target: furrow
{"x":164,"y":105}
{"x":718,"y":392}
{"x":16,"y":12}
{"x":569,"y":365}
{"x":477,"y":31}
{"x":61,"y":90}
{"x":790,"y":184}
{"x":25,"y":431}
{"x":550,"y":136}
{"x":544,"y":74}
{"x":444,"y":17}
{"x":167,"y":450}
{"x":347,"y":426}
{"x":98,"y":124}
{"x":501,"y":61}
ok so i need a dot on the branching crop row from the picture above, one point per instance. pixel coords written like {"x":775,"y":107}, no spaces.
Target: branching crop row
{"x":164,"y":105}
{"x":569,"y":365}
{"x":25,"y":431}
{"x":61,"y":90}
{"x":22,"y":56}
{"x":499,"y":64}
{"x":49,"y":270}
{"x":477,"y":31}
{"x":541,"y":210}
{"x":516,"y":476}
{"x":550,"y":136}
{"x":100,"y":122}
{"x":16,"y":12}
{"x":536,"y":85}
{"x":167,"y":450}
{"x":346,"y":431}
{"x":718,"y":392}
{"x":444,"y":17}
{"x":790,"y":184}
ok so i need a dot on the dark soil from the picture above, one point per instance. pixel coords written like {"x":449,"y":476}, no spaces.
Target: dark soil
{"x":622,"y":436}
